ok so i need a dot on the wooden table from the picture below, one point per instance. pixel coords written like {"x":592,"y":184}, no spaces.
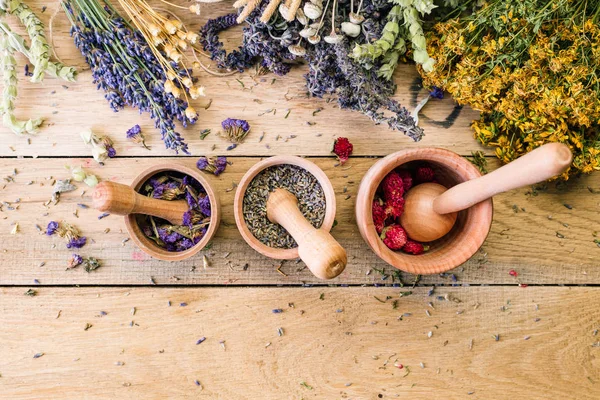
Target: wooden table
{"x":130,"y":329}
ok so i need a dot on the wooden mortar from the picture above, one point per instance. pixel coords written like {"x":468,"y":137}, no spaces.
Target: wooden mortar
{"x":468,"y":233}
{"x":123,"y":202}
{"x":330,"y":208}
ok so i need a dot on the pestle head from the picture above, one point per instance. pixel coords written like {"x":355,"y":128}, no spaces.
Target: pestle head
{"x":419,"y":219}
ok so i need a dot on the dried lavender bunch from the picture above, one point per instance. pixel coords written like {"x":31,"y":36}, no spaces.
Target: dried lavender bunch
{"x":124,"y":66}
{"x":279,"y":43}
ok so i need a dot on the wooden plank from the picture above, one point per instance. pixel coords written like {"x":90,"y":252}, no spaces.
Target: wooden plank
{"x":345,"y":345}
{"x":69,"y":111}
{"x":523,"y":237}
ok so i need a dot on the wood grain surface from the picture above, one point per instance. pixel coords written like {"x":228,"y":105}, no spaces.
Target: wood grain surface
{"x":524,"y":236}
{"x":483,"y":333}
{"x":335,"y":343}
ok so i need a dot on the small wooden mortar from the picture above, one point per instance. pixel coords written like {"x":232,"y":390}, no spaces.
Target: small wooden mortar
{"x":471,"y":201}
{"x":317,"y":248}
{"x":125,"y":200}
{"x":468,"y":234}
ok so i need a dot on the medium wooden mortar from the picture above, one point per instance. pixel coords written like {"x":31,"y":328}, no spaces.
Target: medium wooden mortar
{"x":330,"y":205}
{"x":134,"y":230}
{"x":466,"y":237}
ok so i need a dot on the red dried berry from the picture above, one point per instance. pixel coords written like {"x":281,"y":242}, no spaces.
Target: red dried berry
{"x":407,"y":179}
{"x":394,"y":237}
{"x":394,"y":207}
{"x":342,"y":148}
{"x":412,"y":247}
{"x":512,"y":272}
{"x":379,"y":215}
{"x":424,"y":174}
{"x":392,"y":186}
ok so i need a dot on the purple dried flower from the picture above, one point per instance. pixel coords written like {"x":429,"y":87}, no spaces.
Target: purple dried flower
{"x":134,"y":132}
{"x":191,"y":201}
{"x":214,"y":165}
{"x":111,"y":152}
{"x":77,"y":242}
{"x":209,"y":39}
{"x":204,"y":205}
{"x":235,"y":129}
{"x":52,"y":227}
{"x":187,"y":218}
{"x":437,"y":93}
{"x":202,"y":339}
{"x":184,"y":244}
{"x":74,"y":261}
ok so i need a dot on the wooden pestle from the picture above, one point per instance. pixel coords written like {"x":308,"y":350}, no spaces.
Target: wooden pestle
{"x":323,"y":255}
{"x":120,"y":199}
{"x":430,"y":210}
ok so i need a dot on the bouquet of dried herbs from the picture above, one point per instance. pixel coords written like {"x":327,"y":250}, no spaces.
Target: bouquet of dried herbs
{"x":126,"y":66}
{"x":37,"y":53}
{"x":531,"y":68}
{"x":279,"y":37}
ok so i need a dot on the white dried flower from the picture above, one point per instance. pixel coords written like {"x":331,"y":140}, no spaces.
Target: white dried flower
{"x":153,"y":29}
{"x":170,"y":27}
{"x":87,"y":136}
{"x":196,"y":92}
{"x":297,"y":50}
{"x":301,"y":17}
{"x":195,"y":8}
{"x":313,"y":11}
{"x":284,"y":11}
{"x":307,"y":32}
{"x":190,"y":113}
{"x":187,"y":82}
{"x":350,"y":29}
{"x":356,"y":18}
{"x":78,"y":174}
{"x":333,"y":38}
{"x":314,"y":39}
{"x":91,"y":180}
{"x":192,"y":37}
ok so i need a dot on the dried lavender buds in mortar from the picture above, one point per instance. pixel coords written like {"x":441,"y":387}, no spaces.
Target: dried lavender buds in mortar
{"x":177,"y":186}
{"x":299,"y":182}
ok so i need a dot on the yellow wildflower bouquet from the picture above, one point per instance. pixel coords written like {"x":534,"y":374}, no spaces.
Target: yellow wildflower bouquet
{"x":532,"y":69}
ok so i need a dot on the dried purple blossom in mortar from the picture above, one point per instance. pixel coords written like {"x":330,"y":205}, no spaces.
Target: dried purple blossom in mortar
{"x":211,"y":164}
{"x":175,"y":186}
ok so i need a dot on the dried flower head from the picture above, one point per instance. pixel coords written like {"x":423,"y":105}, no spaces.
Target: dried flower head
{"x":235,"y":130}
{"x":342,"y":148}
{"x":135,"y":134}
{"x":214,"y":165}
{"x":67,"y":231}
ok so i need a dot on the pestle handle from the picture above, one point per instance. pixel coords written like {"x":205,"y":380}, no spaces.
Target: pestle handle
{"x":323,"y":255}
{"x":538,"y":165}
{"x":120,"y":199}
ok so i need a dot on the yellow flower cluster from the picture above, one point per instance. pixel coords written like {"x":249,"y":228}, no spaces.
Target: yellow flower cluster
{"x":533,"y":84}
